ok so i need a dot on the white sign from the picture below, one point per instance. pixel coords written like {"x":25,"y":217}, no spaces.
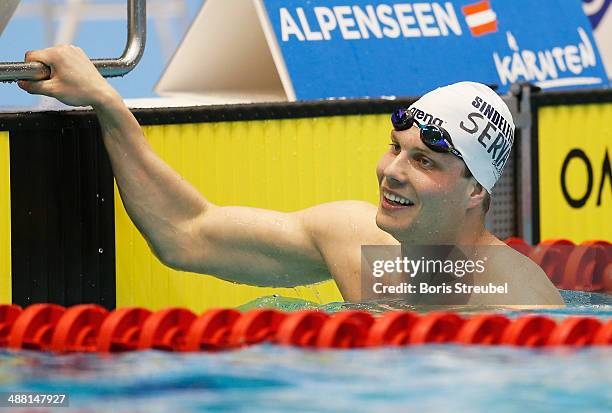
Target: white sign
{"x":599,"y":13}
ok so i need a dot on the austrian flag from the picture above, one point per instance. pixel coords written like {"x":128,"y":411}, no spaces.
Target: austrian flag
{"x":480,"y":18}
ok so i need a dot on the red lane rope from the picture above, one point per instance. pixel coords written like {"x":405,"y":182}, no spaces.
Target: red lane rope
{"x":91,"y":328}
{"x":583,"y":267}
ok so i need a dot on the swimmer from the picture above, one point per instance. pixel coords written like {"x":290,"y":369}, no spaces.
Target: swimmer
{"x":446,"y":152}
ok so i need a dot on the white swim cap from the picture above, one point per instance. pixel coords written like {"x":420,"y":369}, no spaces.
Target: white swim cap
{"x":479,"y":123}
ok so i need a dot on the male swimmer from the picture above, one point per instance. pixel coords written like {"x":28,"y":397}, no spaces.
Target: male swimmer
{"x":434,"y":184}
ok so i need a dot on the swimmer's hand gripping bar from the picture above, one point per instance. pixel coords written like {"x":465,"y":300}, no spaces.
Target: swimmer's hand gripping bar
{"x":134,"y":49}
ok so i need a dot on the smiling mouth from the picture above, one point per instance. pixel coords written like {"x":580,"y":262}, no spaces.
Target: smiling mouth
{"x":396,"y":200}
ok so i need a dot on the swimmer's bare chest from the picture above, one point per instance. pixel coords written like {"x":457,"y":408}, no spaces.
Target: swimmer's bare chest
{"x":341,"y":229}
{"x":345,"y":269}
{"x":344,"y":261}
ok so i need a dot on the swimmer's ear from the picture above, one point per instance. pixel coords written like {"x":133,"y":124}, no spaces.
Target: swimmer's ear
{"x":477,"y":194}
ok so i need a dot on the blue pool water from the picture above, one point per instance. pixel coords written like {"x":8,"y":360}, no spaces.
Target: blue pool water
{"x":267,"y":378}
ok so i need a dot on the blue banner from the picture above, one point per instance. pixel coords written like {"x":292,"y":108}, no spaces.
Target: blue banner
{"x":365,"y":48}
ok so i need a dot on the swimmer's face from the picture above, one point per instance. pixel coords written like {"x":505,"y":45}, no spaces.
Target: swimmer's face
{"x":434,"y":185}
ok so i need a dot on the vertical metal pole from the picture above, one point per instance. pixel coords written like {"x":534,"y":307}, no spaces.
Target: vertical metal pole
{"x":524,"y":181}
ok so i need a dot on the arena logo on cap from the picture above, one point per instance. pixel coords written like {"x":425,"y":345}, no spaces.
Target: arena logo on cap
{"x":425,"y":117}
{"x":548,"y":68}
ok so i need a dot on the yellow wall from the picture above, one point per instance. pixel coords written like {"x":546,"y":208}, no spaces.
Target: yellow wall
{"x":276,"y":164}
{"x":562,"y":129}
{"x":5,"y":220}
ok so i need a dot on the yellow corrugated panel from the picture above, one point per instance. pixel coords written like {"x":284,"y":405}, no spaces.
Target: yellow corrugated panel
{"x":5,"y":220}
{"x":284,"y":165}
{"x":578,"y":135}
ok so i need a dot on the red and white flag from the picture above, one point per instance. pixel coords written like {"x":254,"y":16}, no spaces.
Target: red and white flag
{"x":480,"y":18}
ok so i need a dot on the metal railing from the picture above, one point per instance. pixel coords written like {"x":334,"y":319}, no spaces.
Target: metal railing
{"x":134,"y":49}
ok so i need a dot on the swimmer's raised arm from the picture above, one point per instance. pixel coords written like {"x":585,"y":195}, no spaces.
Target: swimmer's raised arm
{"x":185,"y":230}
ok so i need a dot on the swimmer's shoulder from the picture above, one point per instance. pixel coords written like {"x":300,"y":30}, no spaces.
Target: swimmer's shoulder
{"x":530,"y":282}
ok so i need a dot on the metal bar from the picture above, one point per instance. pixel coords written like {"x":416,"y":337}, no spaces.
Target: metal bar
{"x":134,"y":49}
{"x":525,"y":173}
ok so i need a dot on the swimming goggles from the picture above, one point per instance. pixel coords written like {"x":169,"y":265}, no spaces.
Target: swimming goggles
{"x":434,"y":137}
